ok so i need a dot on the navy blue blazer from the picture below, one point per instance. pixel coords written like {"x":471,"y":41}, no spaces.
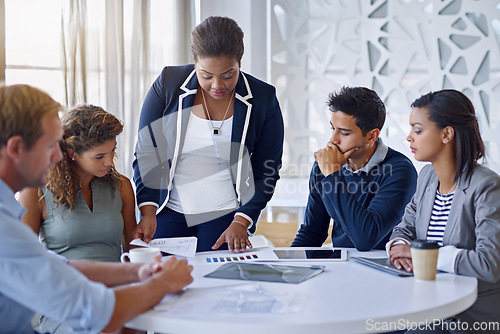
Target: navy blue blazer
{"x":257,"y":139}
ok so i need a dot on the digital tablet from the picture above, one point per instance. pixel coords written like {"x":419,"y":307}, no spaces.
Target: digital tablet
{"x":266,"y":272}
{"x":310,"y":254}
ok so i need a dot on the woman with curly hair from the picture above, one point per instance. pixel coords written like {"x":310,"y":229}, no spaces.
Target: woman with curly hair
{"x":87,"y":209}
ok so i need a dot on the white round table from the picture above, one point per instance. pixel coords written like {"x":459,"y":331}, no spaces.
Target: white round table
{"x":347,"y":298}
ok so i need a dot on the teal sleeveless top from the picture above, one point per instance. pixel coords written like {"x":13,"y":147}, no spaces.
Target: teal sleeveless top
{"x":84,"y":234}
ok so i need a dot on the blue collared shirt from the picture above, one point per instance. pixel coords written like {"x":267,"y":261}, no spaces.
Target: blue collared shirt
{"x":35,"y":280}
{"x":376,"y":159}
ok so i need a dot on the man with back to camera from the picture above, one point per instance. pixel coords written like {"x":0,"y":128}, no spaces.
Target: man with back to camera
{"x":35,"y":280}
{"x":357,"y":180}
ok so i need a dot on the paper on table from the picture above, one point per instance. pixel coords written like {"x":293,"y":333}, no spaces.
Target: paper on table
{"x":185,"y":246}
{"x":242,"y":299}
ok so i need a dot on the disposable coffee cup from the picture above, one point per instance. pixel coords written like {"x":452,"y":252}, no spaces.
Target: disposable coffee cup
{"x":140,"y":255}
{"x":424,"y":255}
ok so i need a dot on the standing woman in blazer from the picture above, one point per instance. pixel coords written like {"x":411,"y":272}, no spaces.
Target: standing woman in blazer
{"x":209,"y":145}
{"x":457,"y":202}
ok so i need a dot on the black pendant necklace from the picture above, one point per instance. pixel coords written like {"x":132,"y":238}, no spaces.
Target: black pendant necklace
{"x":216,"y":129}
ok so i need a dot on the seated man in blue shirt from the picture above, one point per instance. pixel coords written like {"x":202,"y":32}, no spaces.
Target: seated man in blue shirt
{"x":357,"y":180}
{"x":35,"y":280}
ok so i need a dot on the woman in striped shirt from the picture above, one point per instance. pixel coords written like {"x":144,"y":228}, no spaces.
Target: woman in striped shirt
{"x":456,"y":202}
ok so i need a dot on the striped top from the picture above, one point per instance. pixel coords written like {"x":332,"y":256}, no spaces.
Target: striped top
{"x":439,"y":217}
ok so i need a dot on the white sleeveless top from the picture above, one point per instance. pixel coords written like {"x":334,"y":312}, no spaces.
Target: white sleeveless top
{"x":202,"y":181}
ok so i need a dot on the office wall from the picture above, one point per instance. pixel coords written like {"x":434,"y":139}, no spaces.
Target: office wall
{"x":251,"y":16}
{"x":401,"y":49}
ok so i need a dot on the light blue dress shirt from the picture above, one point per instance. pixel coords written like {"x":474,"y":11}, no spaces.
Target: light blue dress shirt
{"x":33,"y":279}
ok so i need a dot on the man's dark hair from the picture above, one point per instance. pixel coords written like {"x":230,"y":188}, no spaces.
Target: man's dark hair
{"x":361,"y":103}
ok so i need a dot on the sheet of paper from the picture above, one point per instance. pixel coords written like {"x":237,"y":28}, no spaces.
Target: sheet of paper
{"x":185,"y":246}
{"x":248,"y":299}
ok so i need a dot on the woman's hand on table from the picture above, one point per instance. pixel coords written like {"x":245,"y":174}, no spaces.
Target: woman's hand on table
{"x":400,"y":256}
{"x":235,"y":235}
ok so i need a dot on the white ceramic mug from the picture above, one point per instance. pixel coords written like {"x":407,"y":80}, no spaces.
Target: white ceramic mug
{"x":140,"y":255}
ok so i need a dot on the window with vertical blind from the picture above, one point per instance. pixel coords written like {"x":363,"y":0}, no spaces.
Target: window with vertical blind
{"x":106,"y":53}
{"x":33,"y":45}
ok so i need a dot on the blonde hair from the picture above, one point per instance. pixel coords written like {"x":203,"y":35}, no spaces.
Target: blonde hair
{"x":22,"y":108}
{"x":84,"y":127}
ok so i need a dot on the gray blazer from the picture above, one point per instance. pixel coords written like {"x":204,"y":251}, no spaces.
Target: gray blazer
{"x":473,"y":226}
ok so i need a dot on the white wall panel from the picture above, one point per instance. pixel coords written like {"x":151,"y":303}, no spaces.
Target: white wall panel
{"x":400,"y":48}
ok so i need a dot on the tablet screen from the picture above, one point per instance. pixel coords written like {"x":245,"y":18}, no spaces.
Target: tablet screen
{"x":301,"y":254}
{"x":266,"y":272}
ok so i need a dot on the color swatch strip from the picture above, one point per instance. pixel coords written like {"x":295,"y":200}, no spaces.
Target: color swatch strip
{"x":235,"y":258}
